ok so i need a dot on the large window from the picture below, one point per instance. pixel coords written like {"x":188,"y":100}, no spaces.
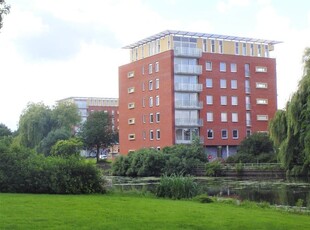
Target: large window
{"x":224,"y":133}
{"x":244,"y":49}
{"x":247,"y":70}
{"x":209,"y":83}
{"x":234,"y":117}
{"x":233,"y":67}
{"x":222,"y":66}
{"x":223,"y":100}
{"x":234,"y":100}
{"x":209,"y":116}
{"x":233,"y":84}
{"x":210,"y":134}
{"x":209,"y":99}
{"x":223,"y":84}
{"x":150,"y":68}
{"x":208,"y":66}
{"x":223,"y":117}
{"x":235,"y":134}
{"x":151,"y":135}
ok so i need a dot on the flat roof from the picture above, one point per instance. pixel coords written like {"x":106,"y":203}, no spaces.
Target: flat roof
{"x":199,"y":35}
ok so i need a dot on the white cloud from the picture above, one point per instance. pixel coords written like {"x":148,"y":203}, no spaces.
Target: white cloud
{"x":224,"y":6}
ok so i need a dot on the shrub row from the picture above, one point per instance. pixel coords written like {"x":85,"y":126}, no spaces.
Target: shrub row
{"x":30,"y":172}
{"x":178,"y":159}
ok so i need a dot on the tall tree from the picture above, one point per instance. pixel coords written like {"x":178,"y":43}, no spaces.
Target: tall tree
{"x":4,"y":9}
{"x":66,"y":116}
{"x":4,"y":130}
{"x":97,"y":131}
{"x":290,"y":129}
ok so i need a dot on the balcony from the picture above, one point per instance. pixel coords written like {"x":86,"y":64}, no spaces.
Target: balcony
{"x":193,"y":122}
{"x":187,"y":52}
{"x":188,"y":87}
{"x":187,"y":69}
{"x":187,"y":104}
{"x":188,"y":141}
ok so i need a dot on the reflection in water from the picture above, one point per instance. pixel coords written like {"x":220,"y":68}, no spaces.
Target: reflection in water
{"x":275,"y":191}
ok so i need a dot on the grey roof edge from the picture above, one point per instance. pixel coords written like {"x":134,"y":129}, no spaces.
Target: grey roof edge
{"x":200,"y":35}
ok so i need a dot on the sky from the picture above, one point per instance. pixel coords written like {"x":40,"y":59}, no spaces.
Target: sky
{"x":54,"y":49}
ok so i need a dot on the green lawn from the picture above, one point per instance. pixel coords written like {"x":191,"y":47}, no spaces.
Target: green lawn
{"x":115,"y":211}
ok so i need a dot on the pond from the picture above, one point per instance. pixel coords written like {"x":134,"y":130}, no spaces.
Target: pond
{"x":276,"y":191}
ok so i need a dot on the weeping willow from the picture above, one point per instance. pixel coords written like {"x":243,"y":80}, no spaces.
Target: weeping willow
{"x":290,"y":128}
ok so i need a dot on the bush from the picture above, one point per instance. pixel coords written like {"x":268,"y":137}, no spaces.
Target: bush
{"x":214,"y":168}
{"x":177,"y":187}
{"x":204,"y":198}
{"x":33,"y":173}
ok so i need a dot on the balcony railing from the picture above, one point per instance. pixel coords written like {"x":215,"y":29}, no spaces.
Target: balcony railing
{"x":187,"y":69}
{"x":188,"y":87}
{"x":187,"y":52}
{"x":193,"y":122}
{"x":187,"y":104}
{"x":188,"y":141}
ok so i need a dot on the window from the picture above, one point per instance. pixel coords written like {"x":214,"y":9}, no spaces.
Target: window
{"x":151,"y":135}
{"x":233,"y":67}
{"x":260,"y":69}
{"x":209,"y":116}
{"x":222,"y":66}
{"x":248,"y":118}
{"x":151,"y":101}
{"x":131,"y":105}
{"x":157,"y":100}
{"x":235,"y":134}
{"x":143,"y":102}
{"x":131,"y":74}
{"x":143,"y":118}
{"x":247,"y":70}
{"x":259,"y":50}
{"x":220,"y":47}
{"x":252,"y":49}
{"x":208,"y":66}
{"x":156,"y":66}
{"x":151,"y":85}
{"x":131,"y":136}
{"x":204,"y":45}
{"x":223,"y":84}
{"x":156,"y":83}
{"x":224,"y":133}
{"x":261,"y":101}
{"x":244,"y":49}
{"x":157,"y":117}
{"x":131,"y":121}
{"x":266,"y":51}
{"x":237,"y":48}
{"x":247,"y":103}
{"x":131,"y":89}
{"x":223,"y":100}
{"x":224,"y":117}
{"x":247,"y":86}
{"x":209,"y":99}
{"x":158,"y":134}
{"x":262,"y":117}
{"x":233,"y":84}
{"x":248,"y":132}
{"x":210,"y":134}
{"x":209,"y":83}
{"x":212,"y":46}
{"x":151,"y":117}
{"x":234,"y":117}
{"x":143,"y":70}
{"x":150,"y":68}
{"x":261,"y":85}
{"x":143,"y":134}
{"x":234,"y":100}
{"x":143,"y":86}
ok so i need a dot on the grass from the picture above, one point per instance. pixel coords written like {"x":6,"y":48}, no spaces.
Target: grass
{"x":123,"y":211}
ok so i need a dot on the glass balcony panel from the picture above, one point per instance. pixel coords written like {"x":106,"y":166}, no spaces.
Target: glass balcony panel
{"x":186,"y":104}
{"x":189,"y":122}
{"x":188,"y":87}
{"x":187,"y":52}
{"x":187,"y":69}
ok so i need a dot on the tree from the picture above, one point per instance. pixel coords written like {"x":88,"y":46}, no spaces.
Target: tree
{"x":4,"y":130}
{"x":67,"y":148}
{"x":290,"y":129}
{"x":256,"y":148}
{"x":41,"y":126}
{"x":4,"y":9}
{"x":97,"y":131}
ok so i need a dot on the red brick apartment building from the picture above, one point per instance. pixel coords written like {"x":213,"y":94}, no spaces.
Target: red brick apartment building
{"x":181,"y":84}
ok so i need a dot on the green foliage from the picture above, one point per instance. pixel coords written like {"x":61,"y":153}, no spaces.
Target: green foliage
{"x":4,"y":130}
{"x":97,"y":132}
{"x":28,"y":172}
{"x":177,"y":187}
{"x":214,"y":168}
{"x":290,"y":129}
{"x":178,"y":159}
{"x":256,"y":148}
{"x":70,"y":147}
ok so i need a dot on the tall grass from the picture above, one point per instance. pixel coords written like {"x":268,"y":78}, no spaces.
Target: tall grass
{"x":177,"y":187}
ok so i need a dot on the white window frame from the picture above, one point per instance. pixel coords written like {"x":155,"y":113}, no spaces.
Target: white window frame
{"x":260,"y":69}
{"x":261,"y":101}
{"x":157,"y":117}
{"x":223,"y":100}
{"x":210,"y":131}
{"x":151,"y":118}
{"x":233,"y":67}
{"x":209,"y":83}
{"x":209,"y":100}
{"x":208,"y":66}
{"x":224,"y":117}
{"x":131,"y":136}
{"x":131,"y":121}
{"x":131,"y":105}
{"x":150,"y":85}
{"x":237,"y":132}
{"x":222,"y":66}
{"x":151,"y":134}
{"x":234,"y":117}
{"x":233,"y":84}
{"x":157,"y":83}
{"x":157,"y":100}
{"x":151,"y":103}
{"x":131,"y":90}
{"x":222,"y":136}
{"x":261,"y":85}
{"x":223,"y":83}
{"x":262,"y":117}
{"x":234,"y":100}
{"x":157,"y":134}
{"x":156,"y":66}
{"x":150,"y":68}
{"x":131,"y":74}
{"x":209,"y":116}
